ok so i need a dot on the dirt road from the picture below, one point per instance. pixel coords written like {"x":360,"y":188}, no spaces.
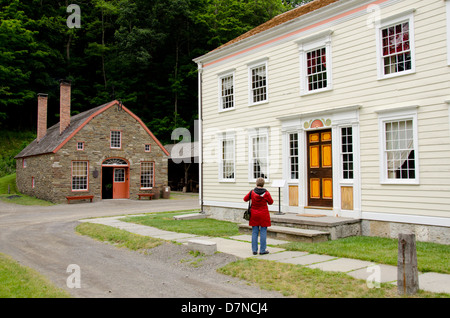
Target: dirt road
{"x":43,"y":238}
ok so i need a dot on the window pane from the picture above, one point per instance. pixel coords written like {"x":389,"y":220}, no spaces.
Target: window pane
{"x":259,"y":157}
{"x":316,"y":69}
{"x":293,"y":155}
{"x":347,"y":152}
{"x":399,"y":149}
{"x":147,"y":174}
{"x":396,"y":48}
{"x":79,"y":175}
{"x":115,"y":139}
{"x":227,"y":92}
{"x":228,"y":159}
{"x":259,"y":88}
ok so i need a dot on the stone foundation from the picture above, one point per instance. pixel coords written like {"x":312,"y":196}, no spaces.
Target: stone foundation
{"x":424,"y":233}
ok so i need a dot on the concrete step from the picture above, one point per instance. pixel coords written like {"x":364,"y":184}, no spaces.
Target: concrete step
{"x":290,"y":233}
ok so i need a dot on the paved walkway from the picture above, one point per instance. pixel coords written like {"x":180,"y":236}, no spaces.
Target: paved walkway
{"x":240,"y":246}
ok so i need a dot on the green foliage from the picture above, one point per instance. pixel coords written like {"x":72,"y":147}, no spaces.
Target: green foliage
{"x":138,"y":51}
{"x":12,"y":143}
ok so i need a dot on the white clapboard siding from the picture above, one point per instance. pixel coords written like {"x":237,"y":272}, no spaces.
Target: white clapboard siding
{"x":355,"y":82}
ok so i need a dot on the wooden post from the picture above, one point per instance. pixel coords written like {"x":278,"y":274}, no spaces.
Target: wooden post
{"x":407,"y":274}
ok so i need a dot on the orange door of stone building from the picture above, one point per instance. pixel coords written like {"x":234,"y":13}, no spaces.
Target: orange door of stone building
{"x":120,"y":183}
{"x":320,"y":169}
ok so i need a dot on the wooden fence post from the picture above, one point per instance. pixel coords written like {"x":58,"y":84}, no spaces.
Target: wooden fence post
{"x":407,"y":274}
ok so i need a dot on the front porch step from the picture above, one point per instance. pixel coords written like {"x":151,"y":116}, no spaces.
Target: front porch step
{"x":337,"y":227}
{"x":290,"y":233}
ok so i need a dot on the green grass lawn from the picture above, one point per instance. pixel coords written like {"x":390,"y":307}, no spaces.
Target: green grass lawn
{"x":203,"y":227}
{"x":431,"y":257}
{"x":18,"y":281}
{"x":118,"y":237}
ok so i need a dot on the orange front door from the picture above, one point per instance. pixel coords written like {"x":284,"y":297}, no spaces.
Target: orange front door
{"x":120,"y":183}
{"x":320,"y":173}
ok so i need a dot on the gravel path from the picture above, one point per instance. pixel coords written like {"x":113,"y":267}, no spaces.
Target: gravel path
{"x":43,"y":238}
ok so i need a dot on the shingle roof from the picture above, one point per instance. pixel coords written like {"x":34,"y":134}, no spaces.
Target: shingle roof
{"x":282,"y":18}
{"x":53,"y":140}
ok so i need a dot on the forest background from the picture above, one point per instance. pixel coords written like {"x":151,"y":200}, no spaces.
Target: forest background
{"x":136,"y":51}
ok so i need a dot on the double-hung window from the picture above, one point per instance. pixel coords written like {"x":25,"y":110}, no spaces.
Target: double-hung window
{"x":259,"y":154}
{"x":395,"y":42}
{"x":226,"y":88}
{"x":79,"y":175}
{"x":293,"y":156}
{"x":116,"y":139}
{"x":227,"y":157}
{"x":398,"y":143}
{"x":258,"y":83}
{"x":147,"y":175}
{"x":315,"y":63}
{"x":347,"y":152}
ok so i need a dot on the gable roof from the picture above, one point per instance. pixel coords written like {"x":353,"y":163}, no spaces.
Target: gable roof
{"x":280,"y":19}
{"x":53,"y":140}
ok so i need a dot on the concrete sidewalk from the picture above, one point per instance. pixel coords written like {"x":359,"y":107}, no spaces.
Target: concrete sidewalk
{"x":240,"y":246}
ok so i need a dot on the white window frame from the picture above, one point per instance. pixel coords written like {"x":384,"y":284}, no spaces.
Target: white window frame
{"x":252,"y":135}
{"x":407,"y":16}
{"x":151,"y":174}
{"x":251,"y":67}
{"x":312,"y":43}
{"x":343,"y":153}
{"x":79,"y":184}
{"x":221,"y":76}
{"x":115,"y":139}
{"x":290,"y":155}
{"x":406,"y":113}
{"x":227,"y":137}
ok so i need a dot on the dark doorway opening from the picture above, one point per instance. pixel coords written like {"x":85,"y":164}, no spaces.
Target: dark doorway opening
{"x":107,"y":182}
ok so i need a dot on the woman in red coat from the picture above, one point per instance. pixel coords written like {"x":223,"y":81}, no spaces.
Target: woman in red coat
{"x":260,"y":217}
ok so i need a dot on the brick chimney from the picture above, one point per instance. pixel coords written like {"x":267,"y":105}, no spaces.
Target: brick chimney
{"x":42,"y":116}
{"x":64,"y":105}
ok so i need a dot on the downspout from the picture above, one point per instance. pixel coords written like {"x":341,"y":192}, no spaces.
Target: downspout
{"x":200,"y":131}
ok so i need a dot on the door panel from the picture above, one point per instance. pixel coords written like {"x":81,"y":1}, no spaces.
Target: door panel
{"x":120,"y":183}
{"x":293,"y":195}
{"x":320,"y":173}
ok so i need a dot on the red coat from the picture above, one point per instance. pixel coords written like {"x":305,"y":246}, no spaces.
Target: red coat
{"x":259,"y":212}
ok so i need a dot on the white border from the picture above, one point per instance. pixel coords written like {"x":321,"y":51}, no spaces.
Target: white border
{"x":390,"y":21}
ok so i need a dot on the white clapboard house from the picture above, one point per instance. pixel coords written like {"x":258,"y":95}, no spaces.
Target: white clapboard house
{"x":347,"y":101}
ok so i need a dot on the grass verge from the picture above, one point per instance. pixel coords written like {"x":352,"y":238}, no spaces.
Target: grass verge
{"x":18,"y":281}
{"x":431,"y":257}
{"x":203,"y":227}
{"x":118,"y":237}
{"x":302,"y":282}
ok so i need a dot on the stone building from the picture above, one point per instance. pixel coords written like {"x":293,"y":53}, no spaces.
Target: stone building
{"x":106,"y":152}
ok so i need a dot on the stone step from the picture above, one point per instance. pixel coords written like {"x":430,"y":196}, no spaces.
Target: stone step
{"x":338,"y":227}
{"x":290,"y":233}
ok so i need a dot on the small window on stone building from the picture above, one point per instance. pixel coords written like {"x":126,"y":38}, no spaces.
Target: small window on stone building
{"x":24,"y":163}
{"x":80,"y":145}
{"x":116,"y":139}
{"x":33,"y":184}
{"x":147,"y":148}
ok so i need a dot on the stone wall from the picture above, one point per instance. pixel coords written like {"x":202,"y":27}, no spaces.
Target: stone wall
{"x":424,"y":233}
{"x":37,"y":167}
